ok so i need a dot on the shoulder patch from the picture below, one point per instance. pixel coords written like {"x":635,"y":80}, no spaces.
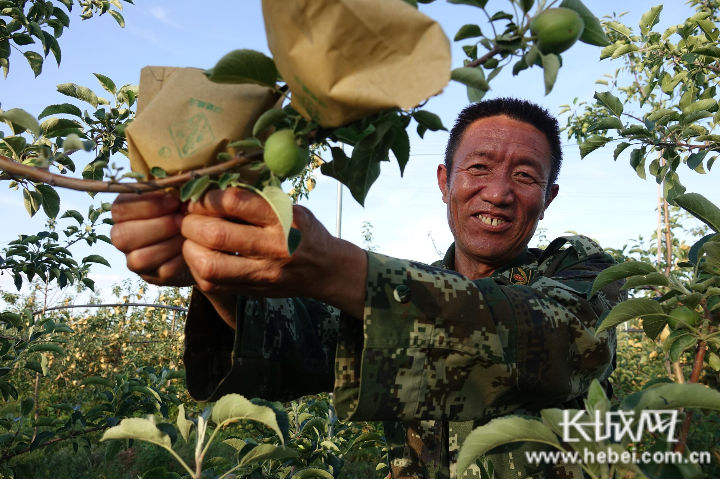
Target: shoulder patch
{"x":520,"y":275}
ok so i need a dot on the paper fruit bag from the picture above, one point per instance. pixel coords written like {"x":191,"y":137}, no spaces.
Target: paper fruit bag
{"x":184,"y":120}
{"x":346,"y":59}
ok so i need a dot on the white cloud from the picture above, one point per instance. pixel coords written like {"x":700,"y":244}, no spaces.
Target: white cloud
{"x":162,"y":15}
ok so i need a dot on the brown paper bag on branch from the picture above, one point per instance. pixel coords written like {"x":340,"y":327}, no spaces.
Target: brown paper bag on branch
{"x":184,"y":120}
{"x":346,"y":59}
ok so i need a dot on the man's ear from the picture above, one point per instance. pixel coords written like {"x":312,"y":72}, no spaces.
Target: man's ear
{"x":554,"y":189}
{"x":442,"y":181}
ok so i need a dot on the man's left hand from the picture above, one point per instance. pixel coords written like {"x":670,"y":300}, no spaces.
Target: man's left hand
{"x":235,"y":244}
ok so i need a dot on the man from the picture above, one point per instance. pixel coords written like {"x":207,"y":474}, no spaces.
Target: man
{"x":495,"y":328}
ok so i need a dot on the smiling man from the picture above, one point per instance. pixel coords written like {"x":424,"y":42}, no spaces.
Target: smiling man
{"x":495,"y":328}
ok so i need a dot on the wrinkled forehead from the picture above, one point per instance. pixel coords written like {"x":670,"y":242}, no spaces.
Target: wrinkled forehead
{"x":501,"y":137}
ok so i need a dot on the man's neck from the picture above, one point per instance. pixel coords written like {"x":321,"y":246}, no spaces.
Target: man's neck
{"x":470,"y":267}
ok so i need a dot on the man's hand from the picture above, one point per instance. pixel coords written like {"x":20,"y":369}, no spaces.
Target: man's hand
{"x":235,"y":244}
{"x":147,"y":230}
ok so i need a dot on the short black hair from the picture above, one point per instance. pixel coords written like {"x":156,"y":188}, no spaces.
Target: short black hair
{"x":516,"y":109}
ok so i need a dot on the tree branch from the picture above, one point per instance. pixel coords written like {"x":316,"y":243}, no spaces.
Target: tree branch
{"x":484,"y":58}
{"x":44,"y":176}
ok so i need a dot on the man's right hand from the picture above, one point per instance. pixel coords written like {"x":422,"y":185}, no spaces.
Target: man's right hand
{"x":147,"y":231}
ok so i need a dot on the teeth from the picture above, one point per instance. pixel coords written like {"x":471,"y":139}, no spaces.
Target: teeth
{"x":490,"y":221}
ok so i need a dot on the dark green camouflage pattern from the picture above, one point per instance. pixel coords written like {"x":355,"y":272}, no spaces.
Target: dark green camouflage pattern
{"x":436,"y":354}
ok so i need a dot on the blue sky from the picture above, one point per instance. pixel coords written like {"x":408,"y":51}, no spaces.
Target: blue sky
{"x":598,"y":197}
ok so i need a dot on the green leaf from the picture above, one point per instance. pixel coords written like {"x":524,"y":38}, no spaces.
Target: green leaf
{"x":619,"y":28}
{"x":708,"y":26}
{"x":227,"y":178}
{"x":95,"y":259}
{"x":234,"y":407}
{"x":593,"y":32}
{"x":429,"y":119}
{"x":472,"y":77}
{"x":32,"y":201}
{"x":79,"y":92}
{"x":629,"y":310}
{"x":526,"y":5}
{"x":468,"y":31}
{"x":502,"y":431}
{"x":671,"y":396}
{"x":318,"y":472}
{"x":64,"y":108}
{"x":244,"y":66}
{"x":27,"y":406}
{"x":637,"y":161}
{"x":619,"y":149}
{"x":35,"y":60}
{"x":158,"y":172}
{"x":268,"y":452}
{"x":659,"y":113}
{"x":281,"y":204}
{"x":54,"y":127}
{"x":74,"y":214}
{"x":268,"y":119}
{"x":245,"y":144}
{"x":118,"y":17}
{"x":592,"y":144}
{"x":195,"y":188}
{"x":106,"y":83}
{"x":607,"y":123}
{"x":53,"y":46}
{"x":475,"y":94}
{"x":235,"y":443}
{"x":680,"y":345}
{"x":652,"y":278}
{"x":22,"y":118}
{"x":610,"y":101}
{"x":701,"y":208}
{"x":98,"y":381}
{"x":618,"y":272}
{"x":138,"y":429}
{"x":551,"y":66}
{"x":705,"y":104}
{"x":50,"y":200}
{"x":401,"y":148}
{"x":650,"y":19}
{"x":472,"y":3}
{"x":184,"y":425}
{"x":46,"y":347}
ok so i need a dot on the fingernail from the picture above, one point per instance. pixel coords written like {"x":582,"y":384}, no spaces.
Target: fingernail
{"x":170,"y":202}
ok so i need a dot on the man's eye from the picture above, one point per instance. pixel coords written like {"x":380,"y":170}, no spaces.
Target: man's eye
{"x":478,"y":167}
{"x":525,"y":177}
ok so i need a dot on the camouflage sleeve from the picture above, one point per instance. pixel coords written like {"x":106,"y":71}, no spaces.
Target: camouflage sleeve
{"x":282,"y":349}
{"x":434,"y":345}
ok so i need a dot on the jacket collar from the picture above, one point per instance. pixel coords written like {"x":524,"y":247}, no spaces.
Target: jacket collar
{"x":526,"y":259}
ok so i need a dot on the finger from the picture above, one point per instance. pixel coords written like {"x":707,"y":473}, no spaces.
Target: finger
{"x":147,"y":259}
{"x":131,"y":206}
{"x":236,"y":203}
{"x":135,"y":234}
{"x":212,"y":269}
{"x":174,"y":273}
{"x":246,"y":240}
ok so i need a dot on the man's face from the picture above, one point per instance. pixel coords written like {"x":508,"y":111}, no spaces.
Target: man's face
{"x":497,"y":189}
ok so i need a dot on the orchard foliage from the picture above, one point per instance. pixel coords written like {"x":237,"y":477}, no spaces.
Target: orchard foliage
{"x":38,"y":24}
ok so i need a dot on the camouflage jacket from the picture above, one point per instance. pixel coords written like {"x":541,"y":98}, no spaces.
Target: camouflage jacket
{"x":435,"y":355}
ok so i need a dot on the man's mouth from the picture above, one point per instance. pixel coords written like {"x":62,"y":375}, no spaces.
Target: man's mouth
{"x":488,"y":220}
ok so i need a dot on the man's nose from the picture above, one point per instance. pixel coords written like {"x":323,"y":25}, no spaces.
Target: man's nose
{"x":498,"y":192}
